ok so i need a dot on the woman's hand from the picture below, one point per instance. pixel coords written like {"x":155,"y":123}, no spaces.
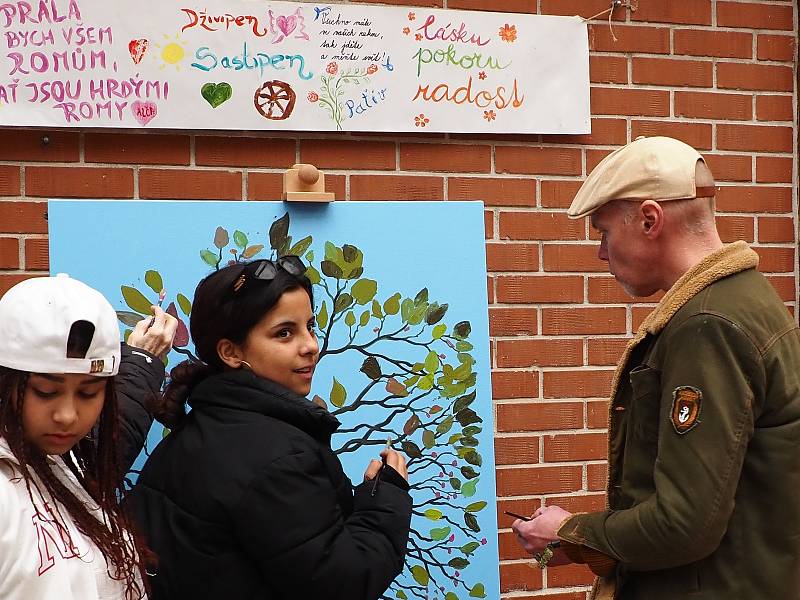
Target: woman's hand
{"x":392,"y":458}
{"x":154,"y":334}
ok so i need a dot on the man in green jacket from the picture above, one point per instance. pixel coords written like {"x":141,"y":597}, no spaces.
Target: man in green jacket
{"x":704,"y":419}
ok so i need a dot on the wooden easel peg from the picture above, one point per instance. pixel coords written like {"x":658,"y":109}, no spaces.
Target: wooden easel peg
{"x":305,"y":183}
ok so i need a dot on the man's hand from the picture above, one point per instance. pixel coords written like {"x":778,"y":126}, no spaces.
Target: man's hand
{"x":154,"y":334}
{"x":535,"y":534}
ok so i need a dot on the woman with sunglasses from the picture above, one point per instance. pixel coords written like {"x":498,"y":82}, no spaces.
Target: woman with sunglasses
{"x":244,"y":498}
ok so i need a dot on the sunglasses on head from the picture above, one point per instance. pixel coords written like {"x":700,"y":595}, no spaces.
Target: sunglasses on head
{"x":266,"y":270}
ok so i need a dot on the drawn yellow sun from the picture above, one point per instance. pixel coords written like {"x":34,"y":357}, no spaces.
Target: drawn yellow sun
{"x":172,"y":52}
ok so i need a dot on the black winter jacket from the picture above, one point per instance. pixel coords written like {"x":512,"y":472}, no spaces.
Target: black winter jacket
{"x":246,"y":500}
{"x":140,"y":377}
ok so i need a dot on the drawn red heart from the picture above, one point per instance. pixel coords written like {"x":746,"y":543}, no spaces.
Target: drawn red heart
{"x":137,"y":48}
{"x":286,"y":24}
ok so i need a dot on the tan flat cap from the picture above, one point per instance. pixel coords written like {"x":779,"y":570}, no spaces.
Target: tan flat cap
{"x":654,"y":168}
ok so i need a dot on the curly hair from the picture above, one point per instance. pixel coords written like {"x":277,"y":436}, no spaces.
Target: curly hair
{"x":94,"y":463}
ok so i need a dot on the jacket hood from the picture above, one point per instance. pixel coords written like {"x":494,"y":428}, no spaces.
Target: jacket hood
{"x":244,"y":390}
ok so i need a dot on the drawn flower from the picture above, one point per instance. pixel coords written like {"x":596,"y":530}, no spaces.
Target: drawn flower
{"x":373,"y":68}
{"x":406,"y":30}
{"x":332,"y":68}
{"x":412,"y":16}
{"x":313,"y":96}
{"x":482,"y":75}
{"x":489,"y":115}
{"x":421,"y":120}
{"x":508,"y":33}
{"x":418,"y":37}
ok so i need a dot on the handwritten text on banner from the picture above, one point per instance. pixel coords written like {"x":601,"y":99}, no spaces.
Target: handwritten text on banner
{"x":244,"y":65}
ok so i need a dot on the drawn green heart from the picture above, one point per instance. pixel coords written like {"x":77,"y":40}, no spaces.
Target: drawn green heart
{"x":216,"y":93}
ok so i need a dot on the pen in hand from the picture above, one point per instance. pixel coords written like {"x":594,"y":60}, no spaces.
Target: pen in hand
{"x":162,"y":294}
{"x":516,"y":516}
{"x":383,"y":466}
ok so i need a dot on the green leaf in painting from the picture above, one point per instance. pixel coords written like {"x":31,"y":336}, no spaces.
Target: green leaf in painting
{"x":313,"y":275}
{"x":420,"y":575}
{"x":364,"y":290}
{"x":343,"y":302}
{"x":400,"y":595}
{"x":209,"y":257}
{"x":467,"y":416}
{"x":221,"y":238}
{"x":364,"y":318}
{"x":476,"y":507}
{"x":406,"y":309}
{"x":444,"y":426}
{"x":470,"y":547}
{"x":376,"y":310}
{"x":473,"y":458}
{"x":458,"y":563}
{"x":455,"y":483}
{"x":450,"y":596}
{"x":301,"y":246}
{"x":431,"y":362}
{"x":468,"y":472}
{"x":135,"y":300}
{"x":350,"y":318}
{"x":428,"y":439}
{"x":438,"y":331}
{"x":422,"y":296}
{"x":433,"y":514}
{"x":411,"y":449}
{"x":331,"y":269}
{"x":338,"y":394}
{"x":440,"y":533}
{"x":154,"y":281}
{"x":185,"y":304}
{"x":129,"y":318}
{"x":322,"y":316}
{"x":463,"y":402}
{"x":471,"y":521}
{"x":477,"y":591}
{"x":278,"y":232}
{"x":392,"y":304}
{"x":470,"y":487}
{"x":240,"y":239}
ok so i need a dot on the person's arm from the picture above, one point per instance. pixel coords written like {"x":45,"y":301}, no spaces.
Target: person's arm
{"x":141,"y":374}
{"x":697,"y":471}
{"x":291,"y":526}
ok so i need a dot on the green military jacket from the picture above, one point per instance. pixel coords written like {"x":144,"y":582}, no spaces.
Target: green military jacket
{"x":704,"y":445}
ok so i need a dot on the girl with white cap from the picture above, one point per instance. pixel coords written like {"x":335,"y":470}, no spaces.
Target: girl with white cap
{"x":62,"y":532}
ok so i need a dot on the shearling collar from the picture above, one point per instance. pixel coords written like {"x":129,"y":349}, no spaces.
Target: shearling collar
{"x":730,"y":259}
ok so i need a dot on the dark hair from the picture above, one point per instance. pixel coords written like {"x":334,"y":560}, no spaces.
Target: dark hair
{"x":219,"y":312}
{"x":95,"y":464}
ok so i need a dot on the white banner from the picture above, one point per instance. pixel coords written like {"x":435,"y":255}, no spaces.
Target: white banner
{"x":250,"y":65}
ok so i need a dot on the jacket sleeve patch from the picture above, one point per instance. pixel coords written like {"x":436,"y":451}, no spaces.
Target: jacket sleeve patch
{"x":686,"y":405}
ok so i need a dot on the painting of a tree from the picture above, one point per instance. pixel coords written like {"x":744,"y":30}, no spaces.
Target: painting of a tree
{"x":400,"y":367}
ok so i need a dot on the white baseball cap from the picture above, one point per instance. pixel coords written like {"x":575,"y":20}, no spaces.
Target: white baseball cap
{"x":36,"y":317}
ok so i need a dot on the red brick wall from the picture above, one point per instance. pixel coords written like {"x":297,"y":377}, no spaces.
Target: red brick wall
{"x":718,"y":74}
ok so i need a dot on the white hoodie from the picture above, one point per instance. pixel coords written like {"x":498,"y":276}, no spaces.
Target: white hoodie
{"x":36,"y":560}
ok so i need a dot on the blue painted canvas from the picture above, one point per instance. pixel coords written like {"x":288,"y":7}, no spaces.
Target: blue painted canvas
{"x":400,"y":293}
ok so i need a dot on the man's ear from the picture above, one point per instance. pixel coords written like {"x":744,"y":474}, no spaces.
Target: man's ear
{"x":652,"y":218}
{"x":230,"y":353}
